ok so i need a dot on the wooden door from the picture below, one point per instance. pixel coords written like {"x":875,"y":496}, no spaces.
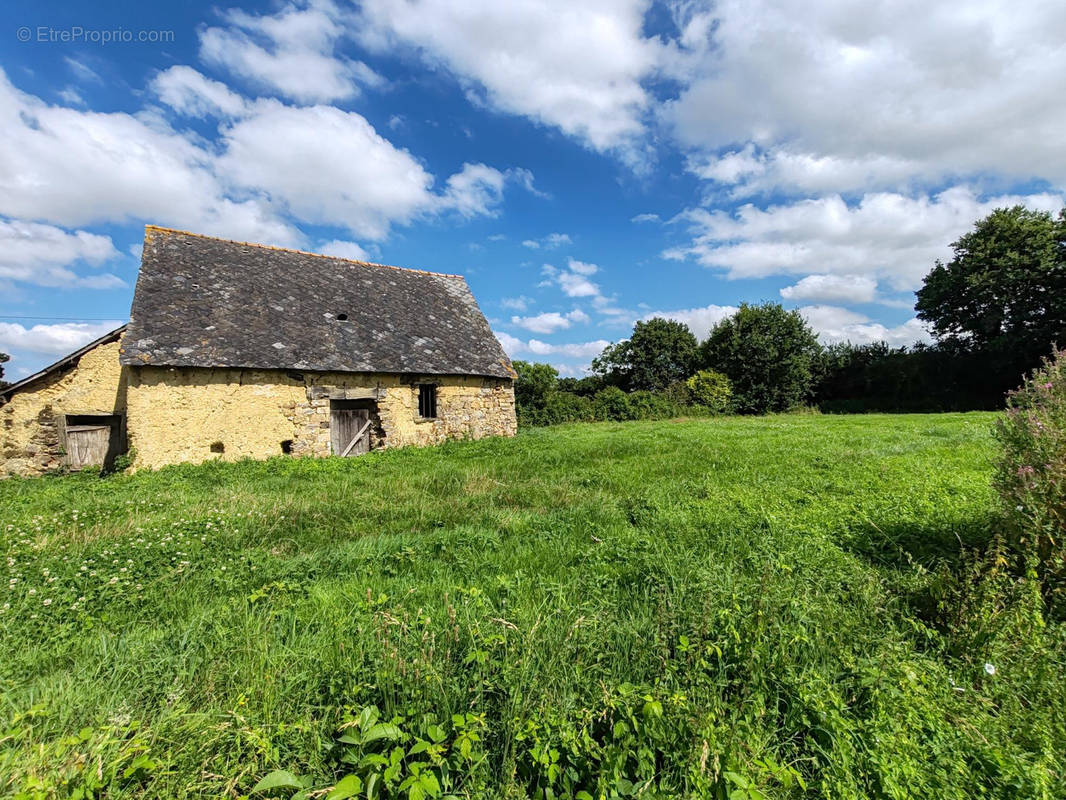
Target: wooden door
{"x":88,"y":445}
{"x":346,"y":423}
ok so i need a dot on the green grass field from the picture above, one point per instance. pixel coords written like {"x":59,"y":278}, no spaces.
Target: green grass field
{"x":732,"y":607}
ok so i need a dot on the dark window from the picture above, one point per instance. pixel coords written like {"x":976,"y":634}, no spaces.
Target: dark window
{"x":218,"y":447}
{"x":286,"y":446}
{"x":342,"y":317}
{"x":427,"y":400}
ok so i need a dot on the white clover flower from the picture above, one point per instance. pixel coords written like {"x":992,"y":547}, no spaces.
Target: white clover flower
{"x":114,"y":579}
{"x":990,"y":668}
{"x":33,"y":591}
{"x":48,"y":601}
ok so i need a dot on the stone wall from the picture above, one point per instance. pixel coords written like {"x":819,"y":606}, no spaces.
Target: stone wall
{"x":32,"y":421}
{"x":192,"y":415}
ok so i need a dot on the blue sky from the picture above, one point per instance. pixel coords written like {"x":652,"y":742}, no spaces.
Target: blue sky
{"x":584,"y":164}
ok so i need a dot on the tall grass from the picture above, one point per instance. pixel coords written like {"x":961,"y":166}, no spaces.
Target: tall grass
{"x":741,"y":607}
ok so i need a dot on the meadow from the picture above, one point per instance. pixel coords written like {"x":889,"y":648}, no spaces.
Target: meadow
{"x":768,"y":607}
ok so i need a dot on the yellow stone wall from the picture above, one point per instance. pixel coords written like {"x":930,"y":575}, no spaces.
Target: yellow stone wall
{"x":31,"y":422}
{"x":176,"y":415}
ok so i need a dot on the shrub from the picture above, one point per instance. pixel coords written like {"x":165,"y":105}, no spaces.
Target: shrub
{"x":710,"y":389}
{"x":613,"y":404}
{"x":566,"y":407}
{"x":1031,"y":474}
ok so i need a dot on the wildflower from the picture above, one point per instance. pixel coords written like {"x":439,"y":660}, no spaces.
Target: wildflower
{"x":990,"y":668}
{"x":33,"y":591}
{"x":114,"y":579}
{"x":48,"y":601}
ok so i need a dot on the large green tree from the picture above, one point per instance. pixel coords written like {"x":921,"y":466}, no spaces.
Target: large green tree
{"x":533,"y":386}
{"x":767,"y":353}
{"x":660,"y":352}
{"x":1004,"y":292}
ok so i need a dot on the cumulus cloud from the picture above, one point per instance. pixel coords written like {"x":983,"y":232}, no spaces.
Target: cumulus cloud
{"x":833,"y":288}
{"x":343,"y":249}
{"x":190,"y":93}
{"x":699,"y":320}
{"x":51,"y":340}
{"x":577,"y":67}
{"x":74,"y":168}
{"x":550,"y":321}
{"x":884,"y":236}
{"x":44,"y":255}
{"x":516,"y":347}
{"x":836,"y":324}
{"x":574,"y":279}
{"x":292,"y":52}
{"x":821,"y":99}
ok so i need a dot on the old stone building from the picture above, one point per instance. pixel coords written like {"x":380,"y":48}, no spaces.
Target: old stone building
{"x":237,"y":350}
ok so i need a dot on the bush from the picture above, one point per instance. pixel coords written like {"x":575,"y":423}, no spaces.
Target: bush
{"x":1031,"y":474}
{"x":566,"y":407}
{"x":612,"y":404}
{"x":710,"y":389}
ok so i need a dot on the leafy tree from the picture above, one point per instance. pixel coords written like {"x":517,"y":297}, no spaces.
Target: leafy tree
{"x":710,"y":389}
{"x":3,"y":357}
{"x":659,"y":352}
{"x":767,"y":353}
{"x":533,"y":386}
{"x":1004,"y":291}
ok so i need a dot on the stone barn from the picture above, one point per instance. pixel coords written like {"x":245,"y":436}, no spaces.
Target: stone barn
{"x":237,"y":350}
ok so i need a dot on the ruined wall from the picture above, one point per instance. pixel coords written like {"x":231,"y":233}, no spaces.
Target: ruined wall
{"x":31,"y":422}
{"x":177,"y":415}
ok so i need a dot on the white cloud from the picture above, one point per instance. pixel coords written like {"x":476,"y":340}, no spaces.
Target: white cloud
{"x":516,"y":347}
{"x":574,"y":279}
{"x":40,"y":254}
{"x":75,"y":168}
{"x":191,"y":93}
{"x":550,"y":321}
{"x":699,"y":320}
{"x":520,"y":303}
{"x":836,"y":324}
{"x":574,"y":66}
{"x":51,"y":340}
{"x":645,"y":218}
{"x":328,"y":166}
{"x":343,"y":249}
{"x":557,"y":240}
{"x":821,"y":99}
{"x":885,"y":236}
{"x":292,"y":52}
{"x":833,"y":288}
{"x":532,"y":244}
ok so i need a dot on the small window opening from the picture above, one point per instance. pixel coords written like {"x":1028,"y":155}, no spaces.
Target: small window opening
{"x":427,"y":400}
{"x":218,"y":447}
{"x":286,"y":446}
{"x":342,"y":317}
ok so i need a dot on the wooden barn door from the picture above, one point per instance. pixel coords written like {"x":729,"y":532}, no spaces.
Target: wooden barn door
{"x":349,"y":426}
{"x":91,"y":439}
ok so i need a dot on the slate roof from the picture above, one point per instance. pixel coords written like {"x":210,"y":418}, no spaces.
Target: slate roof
{"x":206,"y":302}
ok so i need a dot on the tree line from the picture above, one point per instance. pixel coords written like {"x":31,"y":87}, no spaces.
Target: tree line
{"x":995,"y":309}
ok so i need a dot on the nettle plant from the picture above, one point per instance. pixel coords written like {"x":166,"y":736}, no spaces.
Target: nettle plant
{"x":411,"y":757}
{"x":1031,"y":473}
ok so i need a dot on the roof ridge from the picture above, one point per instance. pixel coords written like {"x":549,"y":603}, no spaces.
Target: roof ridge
{"x":301,"y":252}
